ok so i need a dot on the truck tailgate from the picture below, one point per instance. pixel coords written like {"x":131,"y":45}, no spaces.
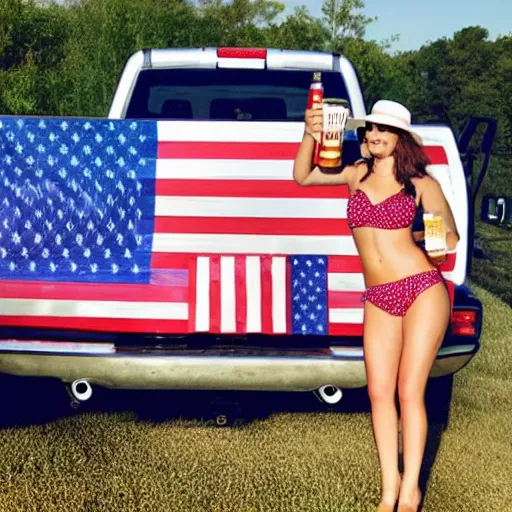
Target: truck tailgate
{"x":180,"y":227}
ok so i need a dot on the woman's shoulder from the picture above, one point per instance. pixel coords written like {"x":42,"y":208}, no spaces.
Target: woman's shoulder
{"x":356,"y":171}
{"x":423,"y":183}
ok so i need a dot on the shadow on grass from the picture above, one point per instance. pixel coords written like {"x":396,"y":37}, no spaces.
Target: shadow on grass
{"x":35,"y":401}
{"x":438,"y":402}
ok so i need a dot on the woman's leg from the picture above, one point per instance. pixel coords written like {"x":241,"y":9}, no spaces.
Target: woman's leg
{"x":382,"y":347}
{"x":424,"y":327}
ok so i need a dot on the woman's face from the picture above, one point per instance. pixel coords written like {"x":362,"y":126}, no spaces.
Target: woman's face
{"x":381,"y":141}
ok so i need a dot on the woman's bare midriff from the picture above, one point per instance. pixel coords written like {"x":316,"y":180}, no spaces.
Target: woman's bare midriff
{"x":389,"y":255}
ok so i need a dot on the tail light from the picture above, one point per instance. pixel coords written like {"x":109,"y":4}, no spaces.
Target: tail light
{"x":241,"y":53}
{"x":464,"y":323}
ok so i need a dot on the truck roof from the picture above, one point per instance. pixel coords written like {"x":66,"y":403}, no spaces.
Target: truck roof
{"x":234,"y":58}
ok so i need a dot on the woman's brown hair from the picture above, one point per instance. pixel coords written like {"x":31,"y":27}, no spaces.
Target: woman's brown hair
{"x":410,"y":160}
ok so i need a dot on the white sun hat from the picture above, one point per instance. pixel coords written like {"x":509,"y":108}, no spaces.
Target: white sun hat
{"x":391,"y":113}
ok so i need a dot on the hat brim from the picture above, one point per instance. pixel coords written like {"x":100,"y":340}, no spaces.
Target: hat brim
{"x":394,"y":123}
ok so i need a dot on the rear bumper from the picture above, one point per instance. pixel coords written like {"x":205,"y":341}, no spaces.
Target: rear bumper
{"x":214,"y":369}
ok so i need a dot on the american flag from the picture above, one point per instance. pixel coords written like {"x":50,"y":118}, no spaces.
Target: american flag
{"x":171,"y":227}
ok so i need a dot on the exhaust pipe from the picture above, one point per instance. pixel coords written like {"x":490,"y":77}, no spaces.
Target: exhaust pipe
{"x":329,"y":394}
{"x":81,"y":390}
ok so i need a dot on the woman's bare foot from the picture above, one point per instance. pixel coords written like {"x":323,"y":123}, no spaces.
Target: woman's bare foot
{"x":410,"y":499}
{"x":384,"y":507}
{"x":389,"y":496}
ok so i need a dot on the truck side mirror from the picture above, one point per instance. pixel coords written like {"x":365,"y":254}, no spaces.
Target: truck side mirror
{"x":496,"y":210}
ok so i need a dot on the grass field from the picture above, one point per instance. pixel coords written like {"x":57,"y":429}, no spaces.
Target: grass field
{"x":96,"y":461}
{"x":494,"y":274}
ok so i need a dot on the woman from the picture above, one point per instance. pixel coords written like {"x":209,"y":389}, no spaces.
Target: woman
{"x":406,"y":303}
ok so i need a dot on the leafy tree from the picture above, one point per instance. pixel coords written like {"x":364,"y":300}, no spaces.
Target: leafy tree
{"x":32,"y":46}
{"x":344,"y":19}
{"x":104,"y":33}
{"x":459,"y":76}
{"x":299,"y":31}
{"x":26,"y":28}
{"x":239,"y":23}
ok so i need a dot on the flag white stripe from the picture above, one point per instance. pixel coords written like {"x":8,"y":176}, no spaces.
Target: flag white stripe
{"x":346,"y":316}
{"x":227,"y":294}
{"x":94,"y":309}
{"x":202,"y":319}
{"x":180,"y":169}
{"x":279,"y":295}
{"x":197,"y":169}
{"x":178,"y":206}
{"x":254,"y":244}
{"x":228,"y":131}
{"x":344,"y":282}
{"x":253,"y":291}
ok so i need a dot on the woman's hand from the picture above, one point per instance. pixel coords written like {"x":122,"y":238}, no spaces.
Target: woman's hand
{"x":314,"y":122}
{"x":305,"y":173}
{"x":435,"y":257}
{"x":433,"y":200}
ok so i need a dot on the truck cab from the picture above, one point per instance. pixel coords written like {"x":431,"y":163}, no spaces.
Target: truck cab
{"x":229,"y":234}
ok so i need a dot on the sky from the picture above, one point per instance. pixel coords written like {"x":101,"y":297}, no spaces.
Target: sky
{"x":420,"y":21}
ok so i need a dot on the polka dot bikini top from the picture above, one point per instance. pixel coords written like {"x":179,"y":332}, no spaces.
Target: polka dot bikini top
{"x":395,"y":212}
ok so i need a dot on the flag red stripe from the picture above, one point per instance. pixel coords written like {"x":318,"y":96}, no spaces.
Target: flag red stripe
{"x":215,"y":302}
{"x":228,"y":150}
{"x":248,"y":188}
{"x":240,"y":295}
{"x":252,"y":226}
{"x":345,"y":264}
{"x":161,"y":260}
{"x":266,"y":295}
{"x":342,"y":264}
{"x":178,"y":261}
{"x":345,"y":329}
{"x":345,"y":299}
{"x":98,"y":324}
{"x":92,"y":291}
{"x":254,"y":151}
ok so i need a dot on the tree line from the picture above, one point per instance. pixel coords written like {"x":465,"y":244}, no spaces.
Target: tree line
{"x":66,"y":58}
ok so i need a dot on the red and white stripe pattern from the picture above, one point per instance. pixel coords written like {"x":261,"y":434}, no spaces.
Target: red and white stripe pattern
{"x":227,"y":188}
{"x":239,"y":294}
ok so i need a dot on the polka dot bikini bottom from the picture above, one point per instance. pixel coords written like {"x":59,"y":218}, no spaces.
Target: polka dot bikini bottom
{"x":397,"y":297}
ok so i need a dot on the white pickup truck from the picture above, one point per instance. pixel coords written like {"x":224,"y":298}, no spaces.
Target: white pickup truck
{"x":203,"y":230}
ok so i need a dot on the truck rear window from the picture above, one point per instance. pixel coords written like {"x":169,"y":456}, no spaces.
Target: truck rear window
{"x":227,"y":94}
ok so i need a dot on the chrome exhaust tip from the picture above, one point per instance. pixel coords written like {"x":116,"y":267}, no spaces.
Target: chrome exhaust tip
{"x":329,"y":394}
{"x":81,"y":389}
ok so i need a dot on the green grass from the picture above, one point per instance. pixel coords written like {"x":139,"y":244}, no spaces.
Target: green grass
{"x":495,"y":274}
{"x":289,"y":462}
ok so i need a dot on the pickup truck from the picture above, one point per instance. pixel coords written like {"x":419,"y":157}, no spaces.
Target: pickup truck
{"x":168,"y":247}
